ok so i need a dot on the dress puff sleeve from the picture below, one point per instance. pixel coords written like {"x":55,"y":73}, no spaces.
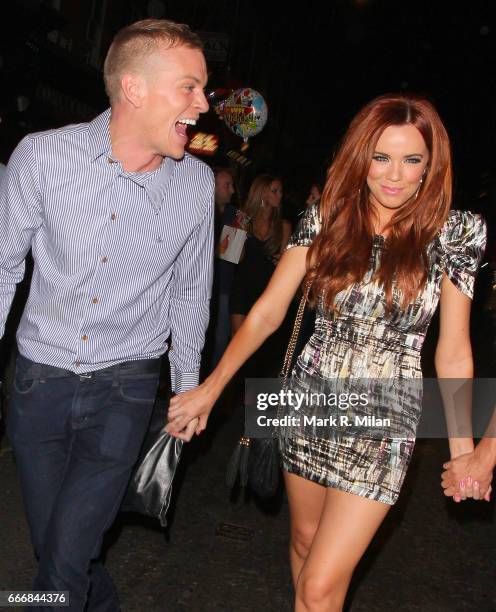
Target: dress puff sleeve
{"x":463,"y":241}
{"x":306,"y":230}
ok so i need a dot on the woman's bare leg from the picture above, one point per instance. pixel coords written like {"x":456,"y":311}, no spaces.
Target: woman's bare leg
{"x":346,"y":527}
{"x":306,"y":503}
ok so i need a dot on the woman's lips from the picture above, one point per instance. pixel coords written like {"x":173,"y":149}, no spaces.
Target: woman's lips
{"x":391,"y":190}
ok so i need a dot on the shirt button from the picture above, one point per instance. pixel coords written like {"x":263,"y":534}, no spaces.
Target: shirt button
{"x":94,"y":300}
{"x":110,"y":160}
{"x":113,"y":216}
{"x":84,"y":338}
{"x":104,"y":259}
{"x":77,"y":364}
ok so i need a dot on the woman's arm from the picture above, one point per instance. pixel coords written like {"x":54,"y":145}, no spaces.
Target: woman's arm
{"x":454,"y":366}
{"x":264,"y":318}
{"x":286,"y":233}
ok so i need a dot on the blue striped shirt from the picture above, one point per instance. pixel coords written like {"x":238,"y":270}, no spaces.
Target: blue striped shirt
{"x":122,"y":260}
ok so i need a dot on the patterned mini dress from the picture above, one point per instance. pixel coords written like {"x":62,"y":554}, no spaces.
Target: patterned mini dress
{"x":362,"y":339}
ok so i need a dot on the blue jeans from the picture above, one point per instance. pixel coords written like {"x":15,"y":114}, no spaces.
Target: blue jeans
{"x":76,"y":440}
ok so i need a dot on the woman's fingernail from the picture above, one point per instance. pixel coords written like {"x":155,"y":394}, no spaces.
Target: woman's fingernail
{"x":462,"y":484}
{"x":476,"y":483}
{"x":469,"y":480}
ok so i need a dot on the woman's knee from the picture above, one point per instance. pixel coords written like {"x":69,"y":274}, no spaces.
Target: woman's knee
{"x":301,"y":540}
{"x":319,"y":592}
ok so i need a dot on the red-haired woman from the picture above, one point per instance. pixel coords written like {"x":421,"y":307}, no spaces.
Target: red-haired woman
{"x":380,"y":252}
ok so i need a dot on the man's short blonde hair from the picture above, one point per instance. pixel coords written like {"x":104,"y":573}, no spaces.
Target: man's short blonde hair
{"x":133,"y":45}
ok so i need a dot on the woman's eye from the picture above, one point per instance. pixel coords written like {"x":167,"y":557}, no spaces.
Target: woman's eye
{"x":413,"y":160}
{"x":380,"y":158}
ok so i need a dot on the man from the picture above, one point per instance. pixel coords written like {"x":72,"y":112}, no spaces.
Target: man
{"x":225,"y":214}
{"x":224,"y":191}
{"x":120,"y":222}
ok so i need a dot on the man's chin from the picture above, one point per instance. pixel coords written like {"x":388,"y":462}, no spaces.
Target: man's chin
{"x":176,"y":154}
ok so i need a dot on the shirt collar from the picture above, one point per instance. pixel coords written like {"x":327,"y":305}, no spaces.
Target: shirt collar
{"x":99,"y":135}
{"x":155,"y":183}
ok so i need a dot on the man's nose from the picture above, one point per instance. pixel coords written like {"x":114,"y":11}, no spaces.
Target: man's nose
{"x":202,"y":102}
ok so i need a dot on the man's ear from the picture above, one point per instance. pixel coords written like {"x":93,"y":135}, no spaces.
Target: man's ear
{"x":133,"y":89}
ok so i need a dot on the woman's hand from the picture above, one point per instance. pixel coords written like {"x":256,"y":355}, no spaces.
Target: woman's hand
{"x":466,"y":477}
{"x":189,"y":411}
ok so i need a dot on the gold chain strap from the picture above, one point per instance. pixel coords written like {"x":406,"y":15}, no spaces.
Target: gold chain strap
{"x":288,"y":358}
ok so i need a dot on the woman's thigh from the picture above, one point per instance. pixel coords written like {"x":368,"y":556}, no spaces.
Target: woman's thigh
{"x":346,"y":527}
{"x":306,"y":503}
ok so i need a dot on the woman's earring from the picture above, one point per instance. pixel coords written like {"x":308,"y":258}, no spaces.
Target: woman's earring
{"x":420,"y":185}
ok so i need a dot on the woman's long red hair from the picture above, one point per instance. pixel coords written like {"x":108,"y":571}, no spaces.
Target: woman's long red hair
{"x":340,"y":254}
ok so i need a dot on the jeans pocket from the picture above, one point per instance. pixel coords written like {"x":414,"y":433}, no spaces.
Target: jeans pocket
{"x":23,"y":386}
{"x":141,"y":390}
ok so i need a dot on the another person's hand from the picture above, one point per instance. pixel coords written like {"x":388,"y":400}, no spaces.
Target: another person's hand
{"x":187,"y":433}
{"x":467,"y":476}
{"x":185,"y":407}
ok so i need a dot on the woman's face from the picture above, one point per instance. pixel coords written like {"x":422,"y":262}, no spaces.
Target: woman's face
{"x":273,"y":194}
{"x":397,"y":168}
{"x":313,"y":195}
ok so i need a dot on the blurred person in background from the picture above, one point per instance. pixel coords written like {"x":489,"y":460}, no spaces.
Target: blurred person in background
{"x":219,"y":330}
{"x":268,"y":235}
{"x":314,"y":194}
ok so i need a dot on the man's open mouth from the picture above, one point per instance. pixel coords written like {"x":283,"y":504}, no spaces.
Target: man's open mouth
{"x":182,"y":126}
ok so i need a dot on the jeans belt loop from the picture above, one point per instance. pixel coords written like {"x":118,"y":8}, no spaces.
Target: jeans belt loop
{"x":116,"y":375}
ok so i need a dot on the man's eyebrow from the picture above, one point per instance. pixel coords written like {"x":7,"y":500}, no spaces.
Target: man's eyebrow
{"x":191,"y":77}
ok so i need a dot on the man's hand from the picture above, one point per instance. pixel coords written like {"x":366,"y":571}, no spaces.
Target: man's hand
{"x":187,"y":433}
{"x":467,"y":476}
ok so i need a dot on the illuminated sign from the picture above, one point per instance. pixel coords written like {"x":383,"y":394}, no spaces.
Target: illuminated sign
{"x":203,"y":144}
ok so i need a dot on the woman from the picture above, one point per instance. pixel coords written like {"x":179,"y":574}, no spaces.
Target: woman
{"x":268,"y":235}
{"x":380,"y":252}
{"x":314,"y":194}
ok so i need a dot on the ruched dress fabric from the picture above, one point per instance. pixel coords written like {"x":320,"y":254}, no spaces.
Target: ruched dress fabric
{"x":360,"y":339}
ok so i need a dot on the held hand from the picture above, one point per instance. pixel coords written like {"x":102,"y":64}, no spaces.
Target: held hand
{"x":466,"y":477}
{"x":187,"y":433}
{"x":194,"y":404}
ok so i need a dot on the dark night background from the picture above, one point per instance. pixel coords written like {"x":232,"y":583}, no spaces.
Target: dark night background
{"x":316,"y":64}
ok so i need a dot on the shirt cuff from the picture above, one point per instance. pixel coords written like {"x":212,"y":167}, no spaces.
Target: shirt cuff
{"x":183,"y":381}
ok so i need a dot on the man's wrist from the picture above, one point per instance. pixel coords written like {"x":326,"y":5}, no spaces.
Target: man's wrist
{"x":485,"y":452}
{"x":183,"y":381}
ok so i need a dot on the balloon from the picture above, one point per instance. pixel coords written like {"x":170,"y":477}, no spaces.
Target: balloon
{"x":217,"y":99}
{"x":245,"y":113}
